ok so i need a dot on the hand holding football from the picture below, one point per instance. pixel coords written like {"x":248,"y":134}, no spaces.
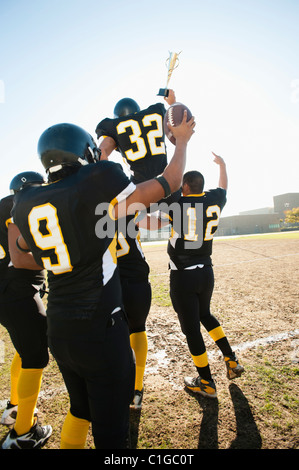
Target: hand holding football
{"x":174,"y":116}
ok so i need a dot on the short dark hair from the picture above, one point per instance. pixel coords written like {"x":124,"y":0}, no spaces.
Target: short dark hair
{"x":195,"y":180}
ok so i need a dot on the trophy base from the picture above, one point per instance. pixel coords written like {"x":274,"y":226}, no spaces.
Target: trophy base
{"x":163,"y":92}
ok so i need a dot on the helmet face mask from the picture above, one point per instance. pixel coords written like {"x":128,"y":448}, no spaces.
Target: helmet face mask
{"x":66,"y":144}
{"x":124,"y":107}
{"x":23,"y":179}
{"x":92,"y":154}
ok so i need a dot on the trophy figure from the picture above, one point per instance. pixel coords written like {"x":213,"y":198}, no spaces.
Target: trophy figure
{"x":173,"y":63}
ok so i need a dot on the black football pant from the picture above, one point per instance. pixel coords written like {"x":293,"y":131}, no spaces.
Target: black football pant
{"x":27,"y":329}
{"x":191,"y":292}
{"x":137,"y":297}
{"x":99,"y":376}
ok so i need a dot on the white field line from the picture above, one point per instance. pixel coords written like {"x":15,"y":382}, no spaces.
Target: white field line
{"x":163,"y":362}
{"x":261,"y":341}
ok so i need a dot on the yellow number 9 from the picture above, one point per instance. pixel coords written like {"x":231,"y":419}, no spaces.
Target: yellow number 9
{"x":52,"y":240}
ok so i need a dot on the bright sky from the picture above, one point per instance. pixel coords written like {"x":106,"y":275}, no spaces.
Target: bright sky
{"x":72,"y":60}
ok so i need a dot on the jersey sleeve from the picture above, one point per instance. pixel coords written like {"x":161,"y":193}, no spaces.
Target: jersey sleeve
{"x":5,"y":217}
{"x":158,"y":108}
{"x":220,"y":195}
{"x":104,"y":128}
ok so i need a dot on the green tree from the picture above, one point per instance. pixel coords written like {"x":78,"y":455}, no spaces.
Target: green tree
{"x":292,"y":216}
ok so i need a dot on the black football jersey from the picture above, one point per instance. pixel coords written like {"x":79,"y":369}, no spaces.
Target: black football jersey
{"x":61,"y":223}
{"x":130,"y":257}
{"x":194,"y":222}
{"x":140,"y":139}
{"x":5,"y":209}
{"x":27,"y":277}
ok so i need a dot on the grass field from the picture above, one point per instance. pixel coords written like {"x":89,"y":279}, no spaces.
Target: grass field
{"x":256,"y":301}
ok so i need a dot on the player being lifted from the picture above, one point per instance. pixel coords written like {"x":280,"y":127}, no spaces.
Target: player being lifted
{"x":138,"y":135}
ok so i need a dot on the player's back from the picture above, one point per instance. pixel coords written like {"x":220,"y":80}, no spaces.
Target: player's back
{"x":58,"y":221}
{"x":140,"y":139}
{"x":194,"y":222}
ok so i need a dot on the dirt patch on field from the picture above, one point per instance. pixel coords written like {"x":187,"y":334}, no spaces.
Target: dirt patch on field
{"x":256,"y":301}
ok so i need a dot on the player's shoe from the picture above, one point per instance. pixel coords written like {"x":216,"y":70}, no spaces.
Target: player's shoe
{"x":204,"y":387}
{"x":34,"y":439}
{"x":234,"y":369}
{"x":10,"y":413}
{"x":136,"y":403}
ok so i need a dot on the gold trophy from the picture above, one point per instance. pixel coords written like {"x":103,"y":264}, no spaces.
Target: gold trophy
{"x":173,"y":63}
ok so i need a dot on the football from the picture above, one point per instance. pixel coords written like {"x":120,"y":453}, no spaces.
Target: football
{"x":174,"y":116}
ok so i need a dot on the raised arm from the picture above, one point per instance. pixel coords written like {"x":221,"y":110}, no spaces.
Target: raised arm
{"x":223,"y":179}
{"x":107,"y":146}
{"x":152,"y":191}
{"x":170,"y":99}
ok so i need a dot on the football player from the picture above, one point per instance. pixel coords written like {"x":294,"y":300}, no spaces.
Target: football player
{"x":22,"y":313}
{"x":137,"y":296}
{"x":61,"y":224}
{"x":192,"y":277}
{"x":138,"y":135}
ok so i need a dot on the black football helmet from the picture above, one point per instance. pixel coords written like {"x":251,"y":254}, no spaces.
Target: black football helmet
{"x":23,"y":179}
{"x":124,"y":107}
{"x":66,"y":144}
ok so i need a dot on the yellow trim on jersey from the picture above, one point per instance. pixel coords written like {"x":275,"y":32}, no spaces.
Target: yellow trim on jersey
{"x":124,"y":194}
{"x":109,"y":260}
{"x":201,"y":360}
{"x":2,"y":252}
{"x":112,"y":248}
{"x":194,"y":195}
{"x":124,"y":245}
{"x":217,"y":333}
{"x":166,"y":216}
{"x":111,"y":208}
{"x":8,"y":221}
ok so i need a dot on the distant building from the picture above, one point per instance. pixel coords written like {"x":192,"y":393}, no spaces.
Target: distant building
{"x":263,"y":210}
{"x":248,"y":224}
{"x":263,"y":220}
{"x":285,"y":202}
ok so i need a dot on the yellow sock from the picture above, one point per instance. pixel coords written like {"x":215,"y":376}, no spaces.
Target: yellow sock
{"x":140,"y":346}
{"x":15,"y":369}
{"x":74,"y":432}
{"x":28,"y":389}
{"x":201,"y":360}
{"x":217,"y":333}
